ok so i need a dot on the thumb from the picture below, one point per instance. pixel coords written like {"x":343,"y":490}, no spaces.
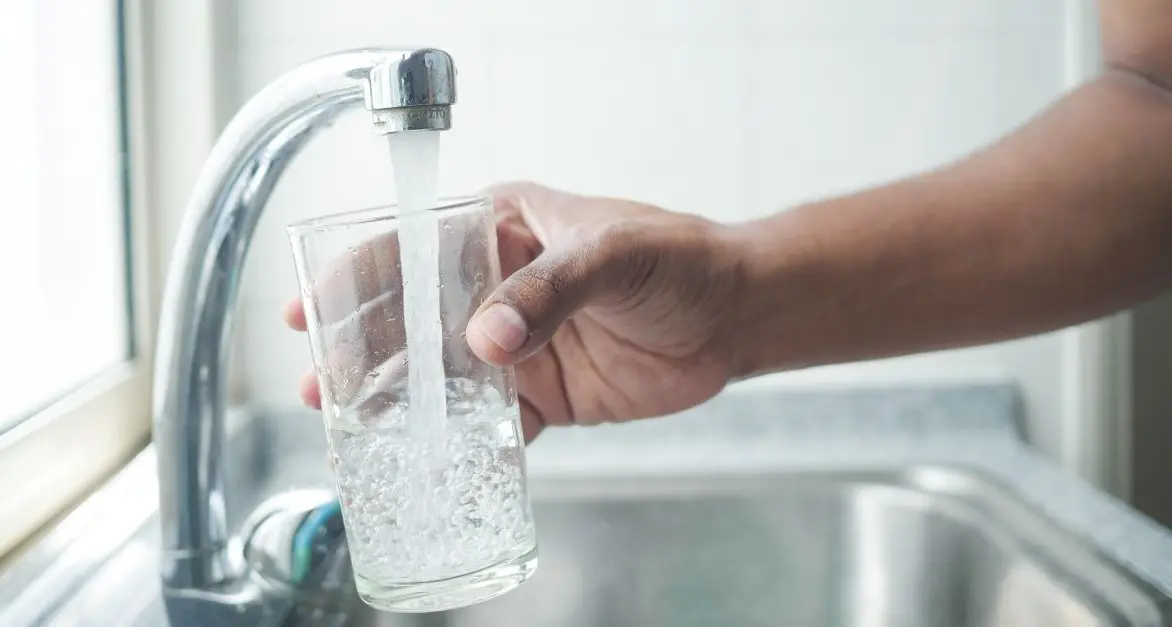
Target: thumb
{"x":526,"y":309}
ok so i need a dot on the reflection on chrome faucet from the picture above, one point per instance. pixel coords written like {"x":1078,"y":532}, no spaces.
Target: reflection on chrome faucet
{"x":205,"y":575}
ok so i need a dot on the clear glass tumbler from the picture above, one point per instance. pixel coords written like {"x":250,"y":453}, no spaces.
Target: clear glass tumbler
{"x":424,"y":436}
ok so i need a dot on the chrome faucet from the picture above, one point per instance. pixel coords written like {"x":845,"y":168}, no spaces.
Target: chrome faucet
{"x":205,"y":577}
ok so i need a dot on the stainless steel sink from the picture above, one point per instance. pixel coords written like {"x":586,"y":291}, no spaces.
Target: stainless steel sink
{"x":877,"y":531}
{"x":925,"y":547}
{"x":877,"y":547}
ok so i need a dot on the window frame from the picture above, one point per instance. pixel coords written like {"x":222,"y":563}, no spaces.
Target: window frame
{"x":103,"y":422}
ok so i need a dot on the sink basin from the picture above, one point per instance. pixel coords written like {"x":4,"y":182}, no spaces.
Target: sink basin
{"x":849,"y":528}
{"x":908,"y":546}
{"x":922,"y":547}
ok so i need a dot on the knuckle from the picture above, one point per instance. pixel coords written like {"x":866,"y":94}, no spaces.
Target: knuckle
{"x":621,"y":242}
{"x":628,"y":252}
{"x":619,"y":232}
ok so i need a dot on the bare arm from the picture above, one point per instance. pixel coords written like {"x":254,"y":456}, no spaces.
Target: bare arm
{"x":1064,"y":221}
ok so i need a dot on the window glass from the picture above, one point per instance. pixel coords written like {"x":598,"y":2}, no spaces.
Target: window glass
{"x":64,"y":309}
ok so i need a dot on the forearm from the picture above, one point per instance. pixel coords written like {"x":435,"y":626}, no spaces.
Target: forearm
{"x":1064,"y":221}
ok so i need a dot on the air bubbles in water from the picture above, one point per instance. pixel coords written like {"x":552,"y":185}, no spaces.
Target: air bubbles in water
{"x":409,"y":519}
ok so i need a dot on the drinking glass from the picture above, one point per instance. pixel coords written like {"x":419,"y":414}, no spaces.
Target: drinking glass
{"x":425,"y":438}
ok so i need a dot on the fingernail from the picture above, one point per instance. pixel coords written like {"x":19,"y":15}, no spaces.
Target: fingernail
{"x":505,"y":326}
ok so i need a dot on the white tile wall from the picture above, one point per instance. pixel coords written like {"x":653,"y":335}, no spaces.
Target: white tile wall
{"x":729,"y":109}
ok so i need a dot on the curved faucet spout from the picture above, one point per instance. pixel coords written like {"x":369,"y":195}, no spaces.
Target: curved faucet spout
{"x":406,"y":90}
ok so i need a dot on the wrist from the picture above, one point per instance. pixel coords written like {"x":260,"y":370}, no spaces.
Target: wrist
{"x":760,"y":263}
{"x":788,"y":308}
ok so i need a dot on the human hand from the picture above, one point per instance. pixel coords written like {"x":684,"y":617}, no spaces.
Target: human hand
{"x":610,"y":310}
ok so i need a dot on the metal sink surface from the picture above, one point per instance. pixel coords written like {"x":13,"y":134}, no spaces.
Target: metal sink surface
{"x":918,"y":547}
{"x":880,"y":517}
